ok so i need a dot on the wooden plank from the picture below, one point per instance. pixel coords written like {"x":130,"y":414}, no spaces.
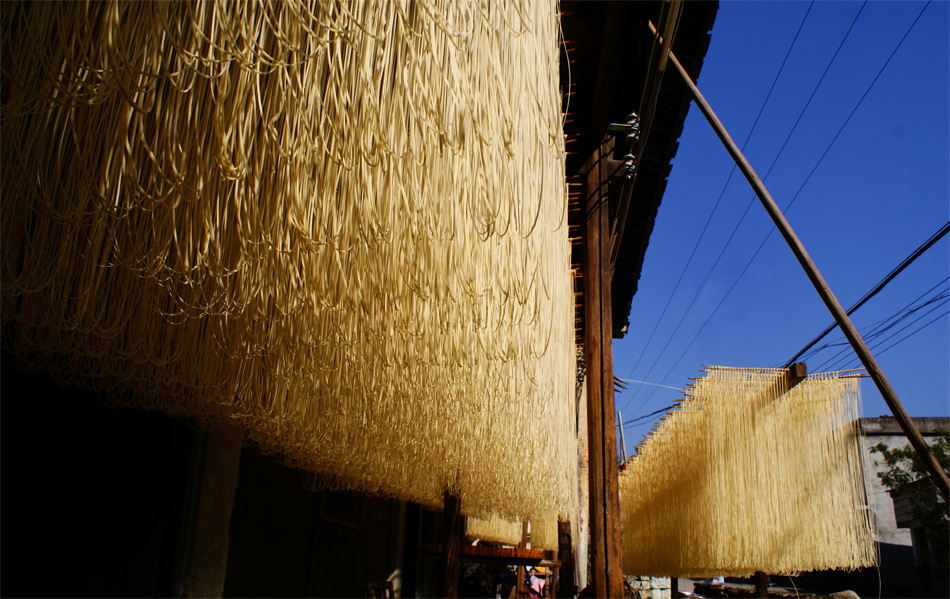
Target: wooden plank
{"x":795,"y":374}
{"x":219,"y":462}
{"x":612,"y":500}
{"x":451,"y":542}
{"x":497,"y":555}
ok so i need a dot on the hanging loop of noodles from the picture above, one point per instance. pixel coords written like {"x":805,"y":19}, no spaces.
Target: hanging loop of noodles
{"x":745,"y":477}
{"x":339,"y":225}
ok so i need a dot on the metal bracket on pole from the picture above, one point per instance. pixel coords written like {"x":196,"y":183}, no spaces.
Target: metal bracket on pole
{"x":916,"y":440}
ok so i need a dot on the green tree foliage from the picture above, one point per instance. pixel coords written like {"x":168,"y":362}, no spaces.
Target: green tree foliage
{"x":906,"y":475}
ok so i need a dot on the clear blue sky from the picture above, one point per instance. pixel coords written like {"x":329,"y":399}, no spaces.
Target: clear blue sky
{"x":881,"y":189}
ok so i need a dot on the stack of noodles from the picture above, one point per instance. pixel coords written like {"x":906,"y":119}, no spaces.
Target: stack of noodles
{"x":743,"y":478}
{"x":339,"y":226}
{"x":543,"y":534}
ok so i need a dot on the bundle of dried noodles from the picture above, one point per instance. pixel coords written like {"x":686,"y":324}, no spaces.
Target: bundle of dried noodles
{"x":339,"y":225}
{"x":743,"y":477}
{"x":494,"y":530}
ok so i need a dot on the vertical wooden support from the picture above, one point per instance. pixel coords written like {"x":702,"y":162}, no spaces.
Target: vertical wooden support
{"x":761,"y":584}
{"x":674,"y":587}
{"x":214,"y":472}
{"x":410,"y":551}
{"x":566,"y":587}
{"x":598,"y":333}
{"x":520,"y":589}
{"x":451,"y":544}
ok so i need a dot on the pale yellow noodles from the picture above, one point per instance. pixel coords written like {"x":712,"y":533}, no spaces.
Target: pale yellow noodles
{"x":339,"y":225}
{"x":494,"y":530}
{"x":743,"y":478}
{"x":543,"y":534}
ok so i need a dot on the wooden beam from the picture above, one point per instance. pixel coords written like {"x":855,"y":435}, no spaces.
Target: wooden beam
{"x":795,"y":374}
{"x":566,"y":587}
{"x":498,"y":555}
{"x":410,"y":550}
{"x":607,"y":577}
{"x":216,"y":457}
{"x":451,"y":543}
{"x":761,"y":584}
{"x":520,"y":589}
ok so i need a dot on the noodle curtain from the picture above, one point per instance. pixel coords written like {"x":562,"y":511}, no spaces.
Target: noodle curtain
{"x":742,"y":477}
{"x":340,"y":226}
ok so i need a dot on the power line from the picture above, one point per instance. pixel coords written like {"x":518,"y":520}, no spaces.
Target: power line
{"x":942,"y":298}
{"x":881,"y":327}
{"x":873,"y":329}
{"x":645,"y":416}
{"x":877,"y":288}
{"x":911,"y":334}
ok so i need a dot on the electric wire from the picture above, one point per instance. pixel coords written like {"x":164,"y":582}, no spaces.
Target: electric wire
{"x":645,"y":416}
{"x":873,"y":329}
{"x":845,"y":356}
{"x":877,"y":288}
{"x":840,"y":341}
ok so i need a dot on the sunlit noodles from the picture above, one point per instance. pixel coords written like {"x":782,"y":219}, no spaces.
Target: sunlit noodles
{"x":743,"y":477}
{"x":340,"y":226}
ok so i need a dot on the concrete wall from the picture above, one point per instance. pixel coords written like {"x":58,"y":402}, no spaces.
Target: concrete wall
{"x":885,"y":430}
{"x":897,"y":567}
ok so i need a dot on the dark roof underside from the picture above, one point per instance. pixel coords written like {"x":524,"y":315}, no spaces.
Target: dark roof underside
{"x":608,"y":45}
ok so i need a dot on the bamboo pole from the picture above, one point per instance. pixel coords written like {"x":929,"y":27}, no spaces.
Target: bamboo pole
{"x":841,"y":317}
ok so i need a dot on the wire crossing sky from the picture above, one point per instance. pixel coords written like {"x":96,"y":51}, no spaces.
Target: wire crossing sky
{"x":851,"y":124}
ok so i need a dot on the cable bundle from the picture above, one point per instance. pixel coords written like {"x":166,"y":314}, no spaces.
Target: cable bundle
{"x":744,"y":478}
{"x":339,"y":225}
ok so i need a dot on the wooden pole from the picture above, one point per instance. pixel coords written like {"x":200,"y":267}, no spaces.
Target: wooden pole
{"x":831,"y":302}
{"x":566,"y":587}
{"x":410,"y":551}
{"x":598,"y":335}
{"x":451,"y":543}
{"x":520,"y":589}
{"x":761,"y":584}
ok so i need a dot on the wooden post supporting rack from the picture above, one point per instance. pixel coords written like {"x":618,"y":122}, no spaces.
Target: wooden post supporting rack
{"x":598,"y":333}
{"x":566,"y":587}
{"x":451,"y":543}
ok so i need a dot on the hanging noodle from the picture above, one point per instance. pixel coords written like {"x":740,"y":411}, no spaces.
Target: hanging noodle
{"x":338,"y":225}
{"x":743,"y":478}
{"x":494,"y":530}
